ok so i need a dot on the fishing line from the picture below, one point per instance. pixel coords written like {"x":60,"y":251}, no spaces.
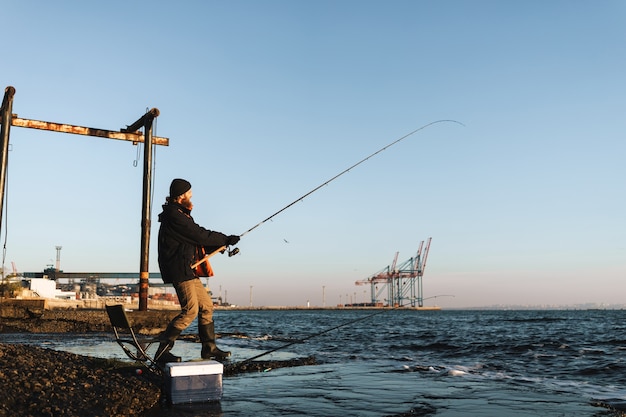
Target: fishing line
{"x":386,"y":310}
{"x":346,"y":170}
{"x":316,"y":334}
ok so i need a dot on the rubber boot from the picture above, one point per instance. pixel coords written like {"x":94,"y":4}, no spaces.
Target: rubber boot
{"x":163,"y":355}
{"x":209,"y":348}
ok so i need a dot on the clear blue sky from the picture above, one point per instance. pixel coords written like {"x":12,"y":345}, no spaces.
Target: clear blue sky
{"x":265,"y":100}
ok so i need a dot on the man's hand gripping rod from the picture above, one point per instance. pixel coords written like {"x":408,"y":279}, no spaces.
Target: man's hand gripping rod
{"x":221,"y":249}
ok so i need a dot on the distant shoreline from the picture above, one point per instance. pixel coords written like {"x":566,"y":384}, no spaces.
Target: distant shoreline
{"x":242,"y":308}
{"x":52,"y":304}
{"x":41,"y":304}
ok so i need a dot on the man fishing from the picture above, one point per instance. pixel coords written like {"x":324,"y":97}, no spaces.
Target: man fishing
{"x":179,"y":237}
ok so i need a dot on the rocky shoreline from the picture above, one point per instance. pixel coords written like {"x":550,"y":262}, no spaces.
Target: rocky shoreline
{"x":43,"y":382}
{"x":82,"y":321}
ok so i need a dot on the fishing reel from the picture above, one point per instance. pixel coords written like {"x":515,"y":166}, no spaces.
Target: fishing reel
{"x":230,"y":252}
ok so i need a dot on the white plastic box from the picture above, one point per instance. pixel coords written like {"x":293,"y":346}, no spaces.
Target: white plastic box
{"x":193,"y":382}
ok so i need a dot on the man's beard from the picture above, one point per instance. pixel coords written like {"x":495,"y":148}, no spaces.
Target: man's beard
{"x":186,"y":202}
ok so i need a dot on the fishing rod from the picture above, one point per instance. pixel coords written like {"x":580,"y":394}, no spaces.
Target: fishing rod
{"x":235,"y":251}
{"x":346,"y":170}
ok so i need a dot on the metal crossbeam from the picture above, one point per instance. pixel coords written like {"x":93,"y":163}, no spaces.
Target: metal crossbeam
{"x":135,"y":137}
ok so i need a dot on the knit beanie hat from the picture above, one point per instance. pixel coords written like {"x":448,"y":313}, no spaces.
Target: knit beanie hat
{"x":179,"y":187}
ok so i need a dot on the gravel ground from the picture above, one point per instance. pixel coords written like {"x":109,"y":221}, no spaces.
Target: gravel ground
{"x":42,"y":382}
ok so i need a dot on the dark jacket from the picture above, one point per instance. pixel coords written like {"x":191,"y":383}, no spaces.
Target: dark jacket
{"x":179,"y":236}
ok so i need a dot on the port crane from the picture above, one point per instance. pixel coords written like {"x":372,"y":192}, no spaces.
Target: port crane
{"x":402,"y":282}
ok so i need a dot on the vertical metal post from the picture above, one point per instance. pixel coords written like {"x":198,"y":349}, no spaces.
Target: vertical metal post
{"x":146,"y":122}
{"x":7,"y":119}
{"x":146,"y":210}
{"x":420,"y":296}
{"x":412,"y":283}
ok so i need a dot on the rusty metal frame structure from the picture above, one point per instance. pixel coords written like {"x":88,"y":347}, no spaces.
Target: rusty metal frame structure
{"x":129,"y":133}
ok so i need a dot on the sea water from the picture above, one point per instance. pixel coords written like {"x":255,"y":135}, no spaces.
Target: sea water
{"x":397,"y":363}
